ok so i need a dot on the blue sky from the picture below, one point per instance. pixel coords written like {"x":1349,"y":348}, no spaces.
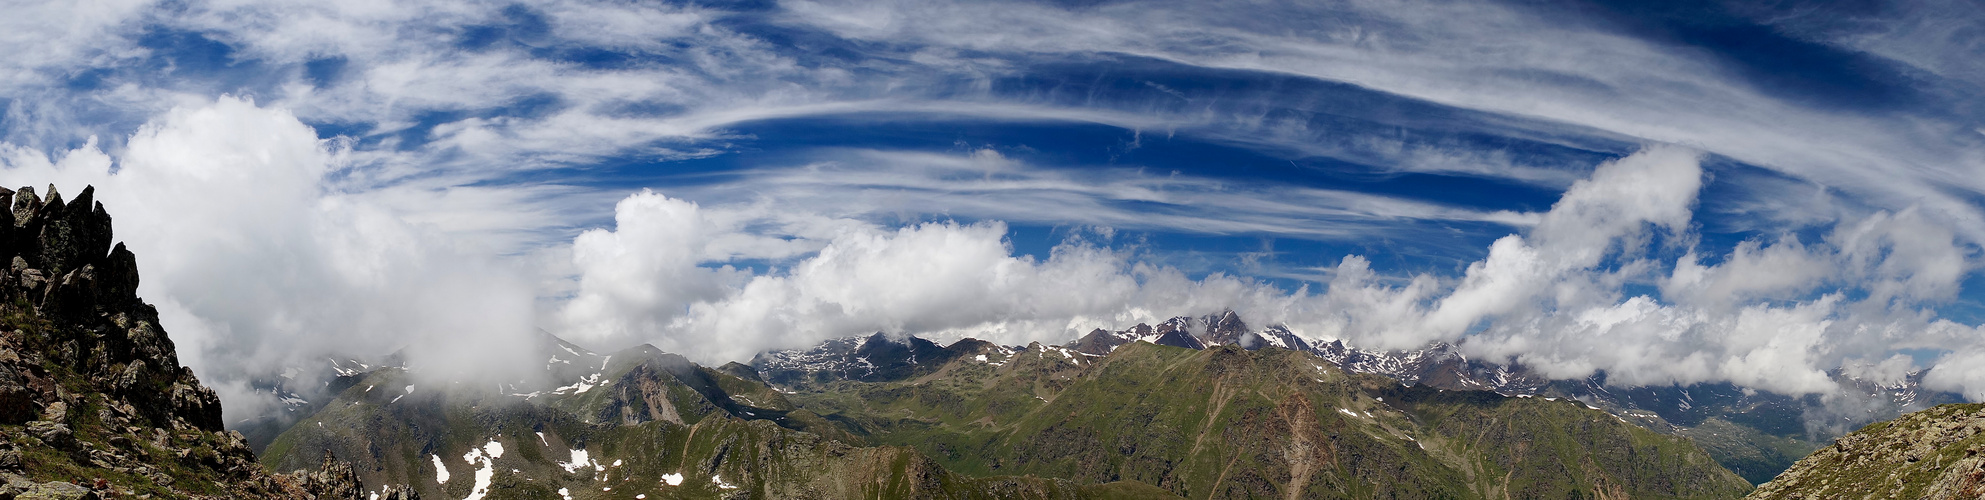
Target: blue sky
{"x":1234,"y":153}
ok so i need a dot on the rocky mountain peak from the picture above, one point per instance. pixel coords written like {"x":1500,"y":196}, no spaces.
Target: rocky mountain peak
{"x":872,"y":358}
{"x":91,"y":386}
{"x":1224,"y":328}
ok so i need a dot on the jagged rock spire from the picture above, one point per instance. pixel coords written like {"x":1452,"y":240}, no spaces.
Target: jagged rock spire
{"x":91,"y":379}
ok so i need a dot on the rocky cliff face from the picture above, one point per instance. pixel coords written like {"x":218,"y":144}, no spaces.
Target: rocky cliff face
{"x":93,"y":400}
{"x":1936,"y":454}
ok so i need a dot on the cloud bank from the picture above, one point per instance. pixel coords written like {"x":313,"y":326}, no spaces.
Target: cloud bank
{"x":1560,"y":297}
{"x":256,"y":266}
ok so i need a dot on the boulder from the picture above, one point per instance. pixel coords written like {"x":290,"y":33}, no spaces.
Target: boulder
{"x":197,"y":404}
{"x":55,"y":434}
{"x":16,"y":399}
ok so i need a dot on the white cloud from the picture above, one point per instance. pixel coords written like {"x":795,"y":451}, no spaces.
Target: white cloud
{"x":38,"y":36}
{"x":643,"y":282}
{"x":255,"y":265}
{"x":1961,"y":371}
{"x":1596,"y":217}
{"x":1553,"y":298}
{"x":984,"y":184}
{"x":1496,"y":58}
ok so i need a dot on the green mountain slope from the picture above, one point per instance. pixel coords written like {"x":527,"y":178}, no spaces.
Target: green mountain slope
{"x":645,"y":423}
{"x":1937,"y":453}
{"x":1231,"y":423}
{"x":978,"y":420}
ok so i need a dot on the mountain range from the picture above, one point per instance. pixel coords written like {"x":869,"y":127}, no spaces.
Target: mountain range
{"x":975,"y":419}
{"x":96,"y":404}
{"x":1757,"y":434}
{"x":917,"y":395}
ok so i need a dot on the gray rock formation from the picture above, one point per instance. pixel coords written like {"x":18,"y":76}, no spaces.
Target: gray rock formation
{"x":93,"y":400}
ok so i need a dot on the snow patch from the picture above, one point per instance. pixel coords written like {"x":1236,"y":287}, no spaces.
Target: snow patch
{"x":719,"y":481}
{"x":674,"y":479}
{"x":486,"y":456}
{"x":586,"y":383}
{"x":440,"y":470}
{"x":580,"y":460}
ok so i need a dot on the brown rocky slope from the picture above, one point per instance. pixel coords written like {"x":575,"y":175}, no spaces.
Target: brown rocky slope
{"x":1934,"y":454}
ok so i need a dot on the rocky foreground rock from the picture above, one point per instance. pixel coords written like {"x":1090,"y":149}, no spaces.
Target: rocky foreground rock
{"x":93,"y":400}
{"x":1934,"y":454}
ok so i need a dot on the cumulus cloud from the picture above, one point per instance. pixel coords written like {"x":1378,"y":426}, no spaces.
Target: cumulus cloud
{"x":256,"y":266}
{"x":645,"y":281}
{"x":1775,"y":316}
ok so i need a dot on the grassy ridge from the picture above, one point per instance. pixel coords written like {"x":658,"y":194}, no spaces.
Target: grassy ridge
{"x":1225,"y":423}
{"x":1146,"y":421}
{"x":717,"y":430}
{"x":1938,"y":453}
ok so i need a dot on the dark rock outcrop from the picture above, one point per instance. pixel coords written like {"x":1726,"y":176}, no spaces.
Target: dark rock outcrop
{"x":1100,"y":342}
{"x":875,"y":358}
{"x":91,"y":387}
{"x":1178,"y":333}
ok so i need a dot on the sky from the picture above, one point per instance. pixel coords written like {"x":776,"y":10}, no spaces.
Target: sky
{"x":1684,"y":192}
